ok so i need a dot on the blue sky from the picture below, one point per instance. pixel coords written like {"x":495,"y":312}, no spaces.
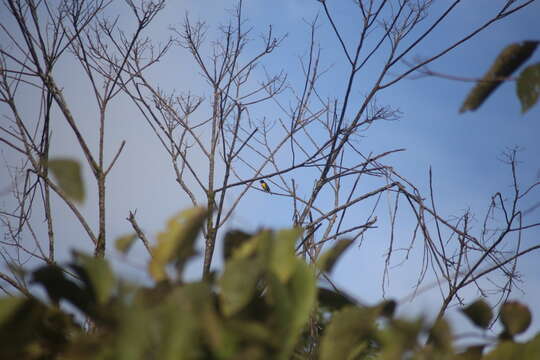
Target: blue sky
{"x":462,"y":149}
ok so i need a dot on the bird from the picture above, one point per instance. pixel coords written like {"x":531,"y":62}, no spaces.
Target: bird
{"x":265,"y":186}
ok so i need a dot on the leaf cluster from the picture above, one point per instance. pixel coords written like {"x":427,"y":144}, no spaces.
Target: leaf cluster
{"x":265,"y":304}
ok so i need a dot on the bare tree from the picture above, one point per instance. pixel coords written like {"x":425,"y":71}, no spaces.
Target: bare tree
{"x":38,"y":35}
{"x":307,"y":151}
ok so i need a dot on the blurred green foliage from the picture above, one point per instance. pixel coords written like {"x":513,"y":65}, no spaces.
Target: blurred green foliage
{"x":506,"y":63}
{"x":264,"y":305}
{"x":69,"y":178}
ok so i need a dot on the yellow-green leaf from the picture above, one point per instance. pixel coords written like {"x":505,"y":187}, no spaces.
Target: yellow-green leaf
{"x":515,"y":317}
{"x":124,"y":243}
{"x":283,"y":260}
{"x":509,"y":350}
{"x":479,"y":313}
{"x":471,"y":353}
{"x":177,"y":243}
{"x":348,"y":329}
{"x":504,"y":65}
{"x":301,"y":297}
{"x":252,"y":246}
{"x":331,"y":256}
{"x":239,"y":284}
{"x":528,"y":86}
{"x":69,"y":177}
{"x":101,"y":276}
{"x":333,"y":300}
{"x":233,"y":241}
{"x":506,"y":350}
{"x":400,"y":337}
{"x":441,"y":336}
{"x":8,"y":306}
{"x":387,"y":308}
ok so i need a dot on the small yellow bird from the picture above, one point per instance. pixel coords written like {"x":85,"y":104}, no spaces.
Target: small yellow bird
{"x":265,"y":186}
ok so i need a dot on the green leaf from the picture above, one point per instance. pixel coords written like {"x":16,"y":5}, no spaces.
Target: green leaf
{"x":233,"y":241}
{"x":301,"y":294}
{"x":387,"y":308}
{"x":400,"y":337}
{"x":177,"y":243}
{"x":8,"y":306}
{"x":471,"y":353}
{"x":26,"y":332}
{"x":506,"y":350}
{"x":348,"y":329}
{"x":238,"y":284}
{"x":532,"y":348}
{"x":504,"y":65}
{"x":277,"y":297}
{"x":509,"y":350}
{"x":131,"y":336}
{"x":479,"y":313}
{"x":259,"y":244}
{"x":58,"y":287}
{"x":331,"y":256}
{"x":528,"y":86}
{"x":180,"y":319}
{"x":290,"y":305}
{"x":515,"y":318}
{"x":333,"y":300}
{"x":100,"y":275}
{"x":283,"y":261}
{"x":441,"y":336}
{"x":125,"y":242}
{"x":68,"y":174}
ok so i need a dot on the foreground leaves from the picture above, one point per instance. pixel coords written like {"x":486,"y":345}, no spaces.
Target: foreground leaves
{"x":515,"y":318}
{"x":69,"y":177}
{"x":528,"y":87}
{"x":125,"y":242}
{"x":265,"y":305}
{"x":349,"y":333}
{"x":479,"y":313}
{"x":508,"y":61}
{"x":176,"y":244}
